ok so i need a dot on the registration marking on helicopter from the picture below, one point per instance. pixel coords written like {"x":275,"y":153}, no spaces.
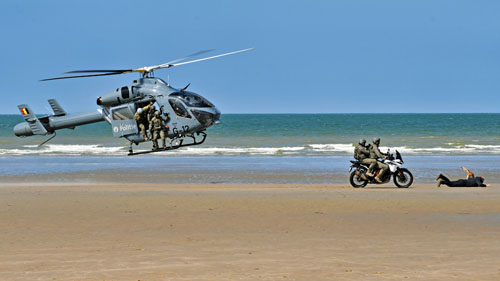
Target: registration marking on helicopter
{"x":124,"y":127}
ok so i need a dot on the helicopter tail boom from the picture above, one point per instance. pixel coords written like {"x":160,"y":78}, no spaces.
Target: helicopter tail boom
{"x":48,"y":124}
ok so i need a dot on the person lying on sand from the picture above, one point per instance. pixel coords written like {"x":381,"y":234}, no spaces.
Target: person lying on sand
{"x":469,"y":181}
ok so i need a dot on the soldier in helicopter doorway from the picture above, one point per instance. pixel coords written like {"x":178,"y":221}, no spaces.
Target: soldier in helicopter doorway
{"x":141,"y":116}
{"x":157,"y":127}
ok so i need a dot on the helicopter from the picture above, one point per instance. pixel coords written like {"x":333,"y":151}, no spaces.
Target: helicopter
{"x":187,"y":114}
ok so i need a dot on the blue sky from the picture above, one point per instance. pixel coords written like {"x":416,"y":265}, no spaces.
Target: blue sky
{"x":310,"y":56}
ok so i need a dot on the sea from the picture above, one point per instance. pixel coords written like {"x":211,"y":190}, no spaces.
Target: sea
{"x":259,"y":148}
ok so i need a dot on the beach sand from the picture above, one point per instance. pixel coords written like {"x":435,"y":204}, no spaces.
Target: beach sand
{"x":248,"y":232}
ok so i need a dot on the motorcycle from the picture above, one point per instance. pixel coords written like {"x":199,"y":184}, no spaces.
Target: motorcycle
{"x":402,"y":177}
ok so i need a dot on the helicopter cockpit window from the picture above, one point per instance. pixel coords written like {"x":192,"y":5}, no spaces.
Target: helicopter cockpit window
{"x":192,"y":99}
{"x":179,"y":108}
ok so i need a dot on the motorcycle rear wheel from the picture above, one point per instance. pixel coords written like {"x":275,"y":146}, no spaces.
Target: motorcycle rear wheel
{"x":357,"y":181}
{"x":403,"y":178}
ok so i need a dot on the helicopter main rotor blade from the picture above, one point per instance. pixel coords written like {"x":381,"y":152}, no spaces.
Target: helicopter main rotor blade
{"x":208,"y":58}
{"x":146,"y":69}
{"x":140,"y":69}
{"x":189,"y":56}
{"x":80,"y":76}
{"x":100,"y":70}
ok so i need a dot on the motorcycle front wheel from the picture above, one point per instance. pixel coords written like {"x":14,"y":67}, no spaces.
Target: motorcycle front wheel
{"x":357,"y":181}
{"x":403,"y":178}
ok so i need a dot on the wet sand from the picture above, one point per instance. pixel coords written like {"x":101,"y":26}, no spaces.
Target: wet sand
{"x":248,"y":232}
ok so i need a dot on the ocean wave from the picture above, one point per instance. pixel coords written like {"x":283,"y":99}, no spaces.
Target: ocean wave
{"x":333,"y":147}
{"x":456,"y":149}
{"x":451,"y":149}
{"x":64,"y":149}
{"x":340,"y":149}
{"x":239,"y":150}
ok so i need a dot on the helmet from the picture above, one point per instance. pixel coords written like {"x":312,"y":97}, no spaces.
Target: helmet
{"x":139,"y":110}
{"x":157,"y":113}
{"x":376,"y":140}
{"x":362,"y":141}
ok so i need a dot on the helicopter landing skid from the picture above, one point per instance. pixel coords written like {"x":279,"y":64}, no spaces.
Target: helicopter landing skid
{"x":171,"y":147}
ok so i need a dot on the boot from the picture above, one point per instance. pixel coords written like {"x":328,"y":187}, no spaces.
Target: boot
{"x":361,"y":175}
{"x":369,"y":174}
{"x":440,"y":182}
{"x":377,"y":179}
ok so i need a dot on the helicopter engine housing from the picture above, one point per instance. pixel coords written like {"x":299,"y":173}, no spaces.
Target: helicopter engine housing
{"x":120,"y":96}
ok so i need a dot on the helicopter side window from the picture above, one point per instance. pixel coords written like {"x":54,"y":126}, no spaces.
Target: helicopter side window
{"x":125,"y":93}
{"x":123,"y":113}
{"x":179,"y":108}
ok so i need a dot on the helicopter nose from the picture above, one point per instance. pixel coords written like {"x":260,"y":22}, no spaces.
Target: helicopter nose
{"x":217,"y":117}
{"x":206,"y":117}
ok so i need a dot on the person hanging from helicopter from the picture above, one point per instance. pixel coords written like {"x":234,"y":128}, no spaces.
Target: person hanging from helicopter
{"x":150,"y":114}
{"x":158,"y":128}
{"x":141,"y":116}
{"x":376,"y":154}
{"x":151,"y":111}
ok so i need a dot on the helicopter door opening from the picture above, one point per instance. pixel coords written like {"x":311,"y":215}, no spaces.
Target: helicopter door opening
{"x":123,"y":122}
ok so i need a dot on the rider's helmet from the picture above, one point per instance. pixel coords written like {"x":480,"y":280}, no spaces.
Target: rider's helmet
{"x":362,"y":142}
{"x":157,"y":113}
{"x":139,"y":110}
{"x":376,"y":140}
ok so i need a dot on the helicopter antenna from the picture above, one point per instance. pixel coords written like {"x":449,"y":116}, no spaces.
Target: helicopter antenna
{"x":146,"y":70}
{"x":183,"y":89}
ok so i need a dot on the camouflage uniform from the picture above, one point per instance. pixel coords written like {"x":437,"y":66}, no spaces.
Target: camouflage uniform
{"x":362,"y":154}
{"x":150,"y":113}
{"x":142,"y":120}
{"x":375,"y":154}
{"x":157,"y":127}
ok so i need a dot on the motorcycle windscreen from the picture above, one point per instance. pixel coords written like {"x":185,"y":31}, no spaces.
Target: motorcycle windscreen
{"x":398,"y":156}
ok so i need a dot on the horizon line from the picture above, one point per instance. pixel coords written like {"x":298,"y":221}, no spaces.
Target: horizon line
{"x":309,"y":113}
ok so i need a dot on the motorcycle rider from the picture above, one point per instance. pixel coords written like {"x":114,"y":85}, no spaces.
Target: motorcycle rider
{"x":375,"y":154}
{"x":362,"y":154}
